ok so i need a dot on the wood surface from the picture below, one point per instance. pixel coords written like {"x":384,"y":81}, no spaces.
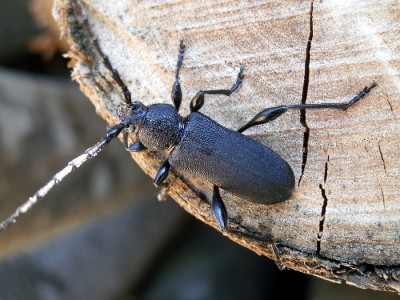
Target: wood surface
{"x":342,"y":223}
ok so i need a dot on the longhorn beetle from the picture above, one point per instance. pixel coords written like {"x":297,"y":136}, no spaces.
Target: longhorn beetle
{"x":197,"y":145}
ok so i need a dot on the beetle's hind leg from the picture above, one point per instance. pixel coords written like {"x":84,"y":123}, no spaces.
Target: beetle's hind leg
{"x":198,"y":101}
{"x":272,"y":113}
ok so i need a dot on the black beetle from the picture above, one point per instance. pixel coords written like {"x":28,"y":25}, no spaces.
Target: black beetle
{"x":198,"y":145}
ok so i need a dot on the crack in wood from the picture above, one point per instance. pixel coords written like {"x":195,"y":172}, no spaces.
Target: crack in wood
{"x":303,"y":121}
{"x":382,"y":159}
{"x":323,"y":209}
{"x":326,"y":169}
{"x":383,"y":199}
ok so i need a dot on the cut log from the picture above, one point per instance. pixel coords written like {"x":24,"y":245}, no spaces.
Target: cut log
{"x":342,"y":223}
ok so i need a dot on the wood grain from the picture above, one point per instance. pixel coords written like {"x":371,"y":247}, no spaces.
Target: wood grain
{"x":325,"y":51}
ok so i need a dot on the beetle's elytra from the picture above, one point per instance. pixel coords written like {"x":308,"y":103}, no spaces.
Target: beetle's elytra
{"x":197,"y":145}
{"x":232,"y":161}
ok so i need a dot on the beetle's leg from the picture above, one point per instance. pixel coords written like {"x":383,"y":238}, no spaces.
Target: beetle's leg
{"x":162,"y":173}
{"x":197,"y":102}
{"x":272,"y":113}
{"x":219,"y":209}
{"x":135,"y":147}
{"x":114,"y":73}
{"x":176,"y":93}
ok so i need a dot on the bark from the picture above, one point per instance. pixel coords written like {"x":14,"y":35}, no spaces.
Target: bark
{"x":342,"y":223}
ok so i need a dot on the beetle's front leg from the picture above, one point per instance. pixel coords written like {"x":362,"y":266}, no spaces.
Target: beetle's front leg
{"x":135,"y":147}
{"x":162,"y":173}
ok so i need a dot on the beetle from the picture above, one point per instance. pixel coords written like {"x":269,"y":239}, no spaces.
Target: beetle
{"x":201,"y":147}
{"x":196,"y":144}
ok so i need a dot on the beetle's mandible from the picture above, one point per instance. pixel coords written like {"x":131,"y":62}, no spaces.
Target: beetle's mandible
{"x":196,"y":144}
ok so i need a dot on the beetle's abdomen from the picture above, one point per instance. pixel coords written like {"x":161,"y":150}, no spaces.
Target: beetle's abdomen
{"x":232,"y":161}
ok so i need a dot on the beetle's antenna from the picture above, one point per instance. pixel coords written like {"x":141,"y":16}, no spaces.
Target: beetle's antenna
{"x":83,"y":19}
{"x":58,"y":177}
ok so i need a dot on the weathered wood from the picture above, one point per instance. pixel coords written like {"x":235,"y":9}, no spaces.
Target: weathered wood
{"x":313,"y":51}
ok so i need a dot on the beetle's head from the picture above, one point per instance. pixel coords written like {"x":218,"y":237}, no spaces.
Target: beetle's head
{"x":136,"y":115}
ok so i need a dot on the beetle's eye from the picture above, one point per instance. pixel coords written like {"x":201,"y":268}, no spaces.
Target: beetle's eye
{"x":135,"y":107}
